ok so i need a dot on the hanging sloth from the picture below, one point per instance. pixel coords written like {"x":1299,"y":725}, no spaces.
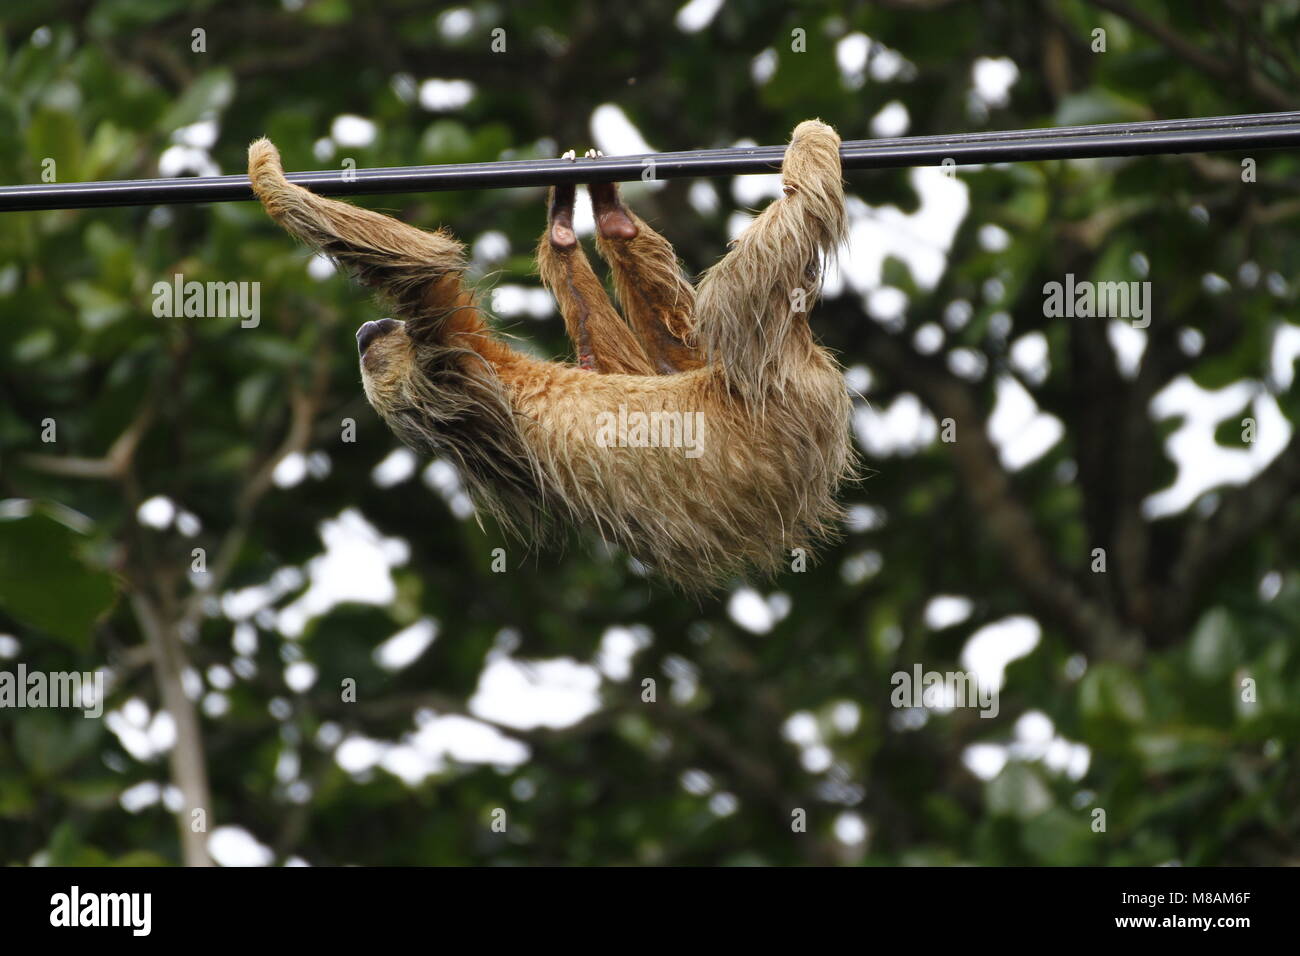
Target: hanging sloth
{"x":706,"y":432}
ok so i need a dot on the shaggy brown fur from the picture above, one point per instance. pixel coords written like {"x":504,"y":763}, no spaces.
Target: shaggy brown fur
{"x":536,"y":439}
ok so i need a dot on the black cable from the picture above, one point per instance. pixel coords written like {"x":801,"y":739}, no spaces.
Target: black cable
{"x":1210,"y":134}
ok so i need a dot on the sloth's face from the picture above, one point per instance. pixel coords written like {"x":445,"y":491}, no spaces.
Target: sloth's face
{"x":386,"y":357}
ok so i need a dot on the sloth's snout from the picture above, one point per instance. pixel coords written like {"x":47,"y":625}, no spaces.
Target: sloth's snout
{"x":373,"y":330}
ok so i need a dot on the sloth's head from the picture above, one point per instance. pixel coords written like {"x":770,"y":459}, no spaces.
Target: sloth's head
{"x":387,"y":356}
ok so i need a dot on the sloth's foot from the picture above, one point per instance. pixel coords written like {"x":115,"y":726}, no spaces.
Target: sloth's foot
{"x":612,"y":218}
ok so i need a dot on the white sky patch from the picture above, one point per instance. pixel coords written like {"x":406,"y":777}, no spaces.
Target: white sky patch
{"x":928,"y":339}
{"x":903,"y":428}
{"x":1286,"y":349}
{"x":697,"y":15}
{"x":957,"y":314}
{"x":846,"y":715}
{"x":290,"y":470}
{"x":143,"y":735}
{"x":1130,"y":345}
{"x":618,"y":646}
{"x":9,"y":646}
{"x":1030,"y":357}
{"x":1212,"y":282}
{"x":990,"y":649}
{"x":861,"y":566}
{"x":491,"y":246}
{"x":352,"y":131}
{"x":992,"y":79}
{"x":614,"y":133}
{"x":1036,"y":740}
{"x":454,"y":737}
{"x":857,"y":379}
{"x":892,"y":120}
{"x":817,"y":759}
{"x":243,"y":603}
{"x":801,"y":729}
{"x":850,"y":829}
{"x":403,"y":86}
{"x":535,"y":693}
{"x":321,"y":267}
{"x":703,"y":197}
{"x":753,"y":190}
{"x":737,"y":223}
{"x":200,"y":135}
{"x":985,"y":760}
{"x":300,"y":676}
{"x":235,"y":846}
{"x":967,"y":363}
{"x":455,"y":24}
{"x":356,"y":566}
{"x":696,"y":782}
{"x":287,"y":766}
{"x":532,"y":301}
{"x":947,"y":610}
{"x":405,"y":647}
{"x":921,"y":240}
{"x":188,"y":524}
{"x":1191,"y":341}
{"x":397,"y":467}
{"x":763,"y":67}
{"x":157,"y":512}
{"x":756,"y":614}
{"x":863,"y":517}
{"x":887,"y":305}
{"x":1203,"y":463}
{"x":139,"y":797}
{"x":993,"y":238}
{"x":1022,"y":433}
{"x":440,"y":96}
{"x":177,"y":160}
{"x":442,"y":476}
{"x":358,"y":754}
{"x":858,"y":56}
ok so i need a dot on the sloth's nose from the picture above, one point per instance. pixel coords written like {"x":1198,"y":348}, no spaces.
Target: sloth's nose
{"x":373,"y":330}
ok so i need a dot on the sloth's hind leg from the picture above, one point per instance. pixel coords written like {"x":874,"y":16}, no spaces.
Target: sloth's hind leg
{"x":657,"y":299}
{"x":600,"y":337}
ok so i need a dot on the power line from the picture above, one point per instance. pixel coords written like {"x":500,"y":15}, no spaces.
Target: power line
{"x":1208,"y":134}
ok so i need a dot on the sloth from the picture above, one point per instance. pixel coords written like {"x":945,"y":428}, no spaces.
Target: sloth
{"x":704,"y":430}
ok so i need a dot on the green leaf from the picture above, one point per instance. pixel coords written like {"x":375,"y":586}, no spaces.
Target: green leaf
{"x":44,"y":581}
{"x":1018,"y":791}
{"x":209,"y":94}
{"x":1215,"y":647}
{"x":50,"y":742}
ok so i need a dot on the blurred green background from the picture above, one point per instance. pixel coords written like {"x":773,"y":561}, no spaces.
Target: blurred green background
{"x":506,"y":723}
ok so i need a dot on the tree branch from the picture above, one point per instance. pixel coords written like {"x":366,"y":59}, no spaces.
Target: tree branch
{"x":1206,"y":62}
{"x":1007,"y":519}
